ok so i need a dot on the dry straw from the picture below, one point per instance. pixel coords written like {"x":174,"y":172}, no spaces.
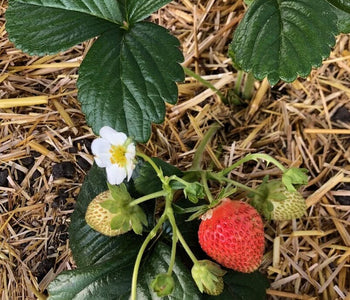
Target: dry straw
{"x":297,"y":123}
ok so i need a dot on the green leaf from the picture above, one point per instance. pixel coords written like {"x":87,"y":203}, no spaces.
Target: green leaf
{"x":127,"y":76}
{"x":343,"y":5}
{"x":138,"y":10}
{"x":283,"y":39}
{"x":343,"y":20}
{"x":49,"y":26}
{"x":103,"y":9}
{"x":243,"y":286}
{"x":158,"y":262}
{"x":112,"y":279}
{"x":145,"y":178}
{"x":108,"y":280}
{"x":136,"y":74}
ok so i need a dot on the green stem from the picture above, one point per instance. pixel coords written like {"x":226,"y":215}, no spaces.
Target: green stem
{"x":197,"y":158}
{"x":149,"y":237}
{"x":181,"y":239}
{"x":161,"y":193}
{"x":235,"y":183}
{"x":249,"y":157}
{"x":187,"y":248}
{"x":204,"y":182}
{"x":248,"y":86}
{"x":174,"y":243}
{"x":151,"y":162}
{"x":178,"y":179}
{"x":238,"y":83}
{"x":205,"y":83}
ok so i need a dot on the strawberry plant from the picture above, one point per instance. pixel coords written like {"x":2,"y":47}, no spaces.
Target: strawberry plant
{"x":130,"y":236}
{"x":138,"y":240}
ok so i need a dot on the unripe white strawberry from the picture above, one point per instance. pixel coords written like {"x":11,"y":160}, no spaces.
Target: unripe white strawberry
{"x":111,"y":212}
{"x":100,"y":218}
{"x":275,"y":202}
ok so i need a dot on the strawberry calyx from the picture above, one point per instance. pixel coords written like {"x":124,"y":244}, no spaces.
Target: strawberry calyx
{"x":208,"y":277}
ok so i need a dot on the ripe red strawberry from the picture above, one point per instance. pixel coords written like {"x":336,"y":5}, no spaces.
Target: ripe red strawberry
{"x":232,"y":233}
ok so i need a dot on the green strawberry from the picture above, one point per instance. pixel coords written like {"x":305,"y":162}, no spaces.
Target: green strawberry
{"x":99,"y":218}
{"x":276,"y":202}
{"x":110,"y":212}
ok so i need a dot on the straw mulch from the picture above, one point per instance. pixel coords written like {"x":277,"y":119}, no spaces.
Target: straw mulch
{"x":45,"y":152}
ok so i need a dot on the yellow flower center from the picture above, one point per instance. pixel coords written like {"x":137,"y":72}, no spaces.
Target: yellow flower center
{"x":118,"y":155}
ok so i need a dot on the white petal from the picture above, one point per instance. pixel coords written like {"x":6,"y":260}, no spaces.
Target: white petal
{"x":114,"y":137}
{"x":130,"y":166}
{"x":115,"y":174}
{"x":131,"y":149}
{"x":103,"y":161}
{"x":100,"y":146}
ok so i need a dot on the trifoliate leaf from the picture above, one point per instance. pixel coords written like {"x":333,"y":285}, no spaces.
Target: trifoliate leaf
{"x":111,"y":279}
{"x":129,"y":72}
{"x":283,"y":39}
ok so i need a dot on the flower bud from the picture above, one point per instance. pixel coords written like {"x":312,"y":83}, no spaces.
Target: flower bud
{"x":163,"y":284}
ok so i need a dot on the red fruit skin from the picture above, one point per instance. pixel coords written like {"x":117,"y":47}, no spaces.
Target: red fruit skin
{"x":232,"y":234}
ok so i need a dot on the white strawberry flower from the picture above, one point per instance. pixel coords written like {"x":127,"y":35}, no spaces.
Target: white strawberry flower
{"x":114,"y":151}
